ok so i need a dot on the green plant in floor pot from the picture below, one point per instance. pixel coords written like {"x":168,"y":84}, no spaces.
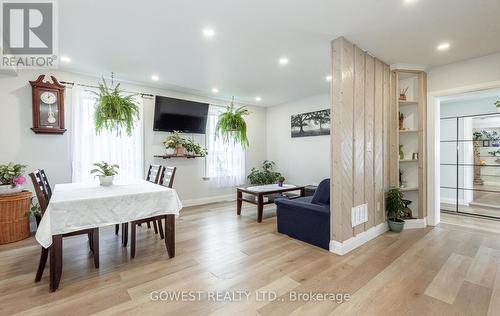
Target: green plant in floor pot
{"x":395,"y":209}
{"x":232,"y":127}
{"x":114,"y":111}
{"x":106,"y":172}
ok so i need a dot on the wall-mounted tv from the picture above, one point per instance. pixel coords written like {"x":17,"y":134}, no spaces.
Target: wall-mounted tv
{"x":180,"y":115}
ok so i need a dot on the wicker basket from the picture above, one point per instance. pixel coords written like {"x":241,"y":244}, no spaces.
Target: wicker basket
{"x":14,"y":218}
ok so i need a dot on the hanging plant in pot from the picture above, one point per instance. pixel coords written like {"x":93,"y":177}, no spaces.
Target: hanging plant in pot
{"x":231,"y":126}
{"x":395,"y":209}
{"x":114,"y":111}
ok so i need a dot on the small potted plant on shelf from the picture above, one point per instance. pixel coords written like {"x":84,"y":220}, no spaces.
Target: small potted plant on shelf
{"x":281,"y":180}
{"x":395,"y":209}
{"x":195,"y":149}
{"x":35,"y":211}
{"x":231,"y":125}
{"x":11,"y":178}
{"x":176,"y":142}
{"x":106,"y":172}
{"x":402,"y":94}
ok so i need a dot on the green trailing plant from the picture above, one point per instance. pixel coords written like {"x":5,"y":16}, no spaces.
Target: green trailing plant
{"x":113,"y":111}
{"x":231,"y":126}
{"x":104,"y":169}
{"x":395,"y":205}
{"x":477,"y":135}
{"x":12,"y":174}
{"x":195,"y":148}
{"x":266,"y":175}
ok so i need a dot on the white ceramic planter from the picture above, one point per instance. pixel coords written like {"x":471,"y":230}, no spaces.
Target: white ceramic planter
{"x":106,"y":180}
{"x":8,"y":189}
{"x":170,"y":151}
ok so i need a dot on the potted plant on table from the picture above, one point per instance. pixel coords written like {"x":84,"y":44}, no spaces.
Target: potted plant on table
{"x":231,"y":125}
{"x":11,"y":178}
{"x":281,"y":180}
{"x":265,"y":176}
{"x":106,"y":172}
{"x":395,"y":209}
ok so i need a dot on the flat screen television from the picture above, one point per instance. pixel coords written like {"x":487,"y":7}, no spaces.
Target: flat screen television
{"x":180,"y":115}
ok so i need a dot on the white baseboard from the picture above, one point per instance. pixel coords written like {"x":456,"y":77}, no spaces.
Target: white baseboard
{"x":210,"y":199}
{"x":341,"y":248}
{"x":415,"y":223}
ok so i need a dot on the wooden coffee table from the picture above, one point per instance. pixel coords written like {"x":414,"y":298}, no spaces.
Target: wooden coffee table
{"x":258,"y":192}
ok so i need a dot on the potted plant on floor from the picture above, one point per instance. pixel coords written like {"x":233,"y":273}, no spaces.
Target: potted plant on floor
{"x":106,"y":172}
{"x":231,"y":125}
{"x":36,"y":212}
{"x":11,"y":178}
{"x":113,"y":110}
{"x":395,"y":209}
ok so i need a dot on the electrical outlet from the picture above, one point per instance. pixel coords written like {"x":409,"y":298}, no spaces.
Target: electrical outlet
{"x":359,"y":215}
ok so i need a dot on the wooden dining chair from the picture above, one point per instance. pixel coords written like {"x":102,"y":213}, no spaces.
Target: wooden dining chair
{"x":43,"y":194}
{"x":166,"y":179}
{"x":154,"y":175}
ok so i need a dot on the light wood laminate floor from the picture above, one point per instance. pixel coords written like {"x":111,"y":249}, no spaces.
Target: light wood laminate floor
{"x":446,"y":270}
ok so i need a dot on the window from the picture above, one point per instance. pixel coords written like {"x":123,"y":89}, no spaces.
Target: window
{"x":225,"y":163}
{"x":87,"y":147}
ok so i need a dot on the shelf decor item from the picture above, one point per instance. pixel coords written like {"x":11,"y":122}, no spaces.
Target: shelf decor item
{"x":401,"y":152}
{"x":11,"y":178}
{"x":402,"y":94}
{"x":232,"y":127}
{"x":194,"y":149}
{"x":48,"y":106}
{"x":401,"y":121}
{"x":106,"y":172}
{"x":395,"y":209}
{"x":114,"y":111}
{"x":176,"y":143}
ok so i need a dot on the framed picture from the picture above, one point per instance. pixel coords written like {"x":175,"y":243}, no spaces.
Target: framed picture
{"x":311,"y":124}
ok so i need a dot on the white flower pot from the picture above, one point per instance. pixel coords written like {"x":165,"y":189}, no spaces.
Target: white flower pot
{"x":106,"y":180}
{"x":9,"y":189}
{"x":498,"y":108}
{"x":170,"y":151}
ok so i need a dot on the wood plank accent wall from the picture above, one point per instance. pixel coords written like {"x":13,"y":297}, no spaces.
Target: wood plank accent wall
{"x":362,"y":103}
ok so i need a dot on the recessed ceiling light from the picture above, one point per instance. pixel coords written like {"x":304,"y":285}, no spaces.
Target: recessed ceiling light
{"x":258,"y":99}
{"x":155,"y":77}
{"x":208,"y":32}
{"x":283,"y":61}
{"x":65,"y":59}
{"x":328,"y":78}
{"x":410,"y":1}
{"x":215,"y":90}
{"x":443,"y":46}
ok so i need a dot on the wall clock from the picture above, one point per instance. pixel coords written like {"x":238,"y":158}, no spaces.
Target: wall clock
{"x":48,"y":106}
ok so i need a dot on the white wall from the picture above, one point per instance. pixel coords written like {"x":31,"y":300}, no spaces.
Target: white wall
{"x":52,"y":152}
{"x":302,"y":160}
{"x":466,"y":73}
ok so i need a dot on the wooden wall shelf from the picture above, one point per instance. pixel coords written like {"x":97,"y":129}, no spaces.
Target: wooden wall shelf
{"x":175,"y":156}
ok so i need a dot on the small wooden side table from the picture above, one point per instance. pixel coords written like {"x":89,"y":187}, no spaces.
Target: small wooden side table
{"x":14,"y":217}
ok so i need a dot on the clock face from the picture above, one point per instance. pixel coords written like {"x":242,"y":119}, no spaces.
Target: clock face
{"x":48,"y":97}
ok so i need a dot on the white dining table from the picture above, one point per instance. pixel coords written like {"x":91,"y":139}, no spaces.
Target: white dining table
{"x":79,"y":206}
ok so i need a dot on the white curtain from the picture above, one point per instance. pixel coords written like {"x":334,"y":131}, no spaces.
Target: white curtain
{"x":87,"y":147}
{"x":225,"y":163}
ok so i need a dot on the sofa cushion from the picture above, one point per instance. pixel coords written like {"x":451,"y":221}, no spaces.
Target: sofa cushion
{"x":322,"y":194}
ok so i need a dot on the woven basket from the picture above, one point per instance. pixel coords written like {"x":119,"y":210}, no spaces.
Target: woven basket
{"x":14,"y":218}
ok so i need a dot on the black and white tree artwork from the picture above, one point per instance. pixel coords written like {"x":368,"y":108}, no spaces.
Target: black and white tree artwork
{"x":311,"y":124}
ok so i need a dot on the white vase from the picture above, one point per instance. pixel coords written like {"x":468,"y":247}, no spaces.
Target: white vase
{"x":9,"y":189}
{"x":170,"y":151}
{"x":106,"y":181}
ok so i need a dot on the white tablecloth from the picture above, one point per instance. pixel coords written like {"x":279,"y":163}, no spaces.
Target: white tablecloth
{"x":77,"y":206}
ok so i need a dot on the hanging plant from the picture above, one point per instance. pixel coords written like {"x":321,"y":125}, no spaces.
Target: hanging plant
{"x":232,"y":127}
{"x":113,"y":111}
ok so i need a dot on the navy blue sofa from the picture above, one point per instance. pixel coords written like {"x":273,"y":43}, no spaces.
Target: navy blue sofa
{"x":307,"y":218}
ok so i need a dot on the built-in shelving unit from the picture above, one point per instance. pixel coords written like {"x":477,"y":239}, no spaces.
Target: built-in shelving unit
{"x":411,"y":135}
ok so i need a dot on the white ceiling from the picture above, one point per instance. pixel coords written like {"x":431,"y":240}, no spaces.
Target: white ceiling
{"x":136,"y":39}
